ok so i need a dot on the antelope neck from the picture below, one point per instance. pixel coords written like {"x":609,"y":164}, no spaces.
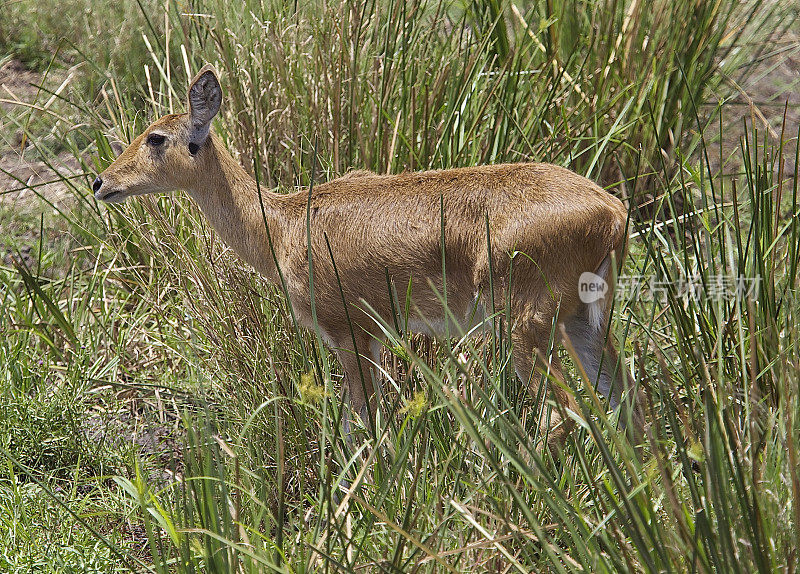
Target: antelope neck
{"x":229,"y":198}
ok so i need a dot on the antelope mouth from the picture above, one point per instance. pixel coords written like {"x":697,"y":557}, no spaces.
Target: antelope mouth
{"x":113,"y":196}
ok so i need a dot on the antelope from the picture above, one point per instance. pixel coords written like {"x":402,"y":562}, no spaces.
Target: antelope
{"x":555,"y":224}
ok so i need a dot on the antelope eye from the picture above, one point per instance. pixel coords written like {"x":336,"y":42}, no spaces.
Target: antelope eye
{"x":156,"y":140}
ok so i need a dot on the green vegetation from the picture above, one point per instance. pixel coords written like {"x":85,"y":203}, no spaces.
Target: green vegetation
{"x":160,"y":411}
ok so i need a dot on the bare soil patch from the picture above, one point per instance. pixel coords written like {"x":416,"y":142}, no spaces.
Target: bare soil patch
{"x":24,"y":178}
{"x":17,"y":81}
{"x":769,"y":92}
{"x":23,"y":181}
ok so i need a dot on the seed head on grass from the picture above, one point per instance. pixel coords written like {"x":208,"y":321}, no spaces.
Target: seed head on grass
{"x":311,"y":392}
{"x":415,"y":406}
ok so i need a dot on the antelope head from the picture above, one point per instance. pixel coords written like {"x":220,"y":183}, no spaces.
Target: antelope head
{"x":168,"y":155}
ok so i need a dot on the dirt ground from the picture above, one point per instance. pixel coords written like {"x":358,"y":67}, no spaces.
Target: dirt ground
{"x":20,"y":169}
{"x":762,"y":99}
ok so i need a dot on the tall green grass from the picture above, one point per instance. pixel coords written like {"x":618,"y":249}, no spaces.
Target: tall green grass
{"x":152,"y":305}
{"x":393,"y":86}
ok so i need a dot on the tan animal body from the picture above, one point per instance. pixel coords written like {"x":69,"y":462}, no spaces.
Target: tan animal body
{"x":553,"y":223}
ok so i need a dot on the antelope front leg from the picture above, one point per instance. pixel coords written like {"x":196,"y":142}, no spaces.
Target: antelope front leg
{"x":357,"y":385}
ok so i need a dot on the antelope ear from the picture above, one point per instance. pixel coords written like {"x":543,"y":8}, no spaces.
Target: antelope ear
{"x":205,"y":97}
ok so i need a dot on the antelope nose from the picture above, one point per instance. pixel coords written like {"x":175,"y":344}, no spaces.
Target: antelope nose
{"x":98,"y":183}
